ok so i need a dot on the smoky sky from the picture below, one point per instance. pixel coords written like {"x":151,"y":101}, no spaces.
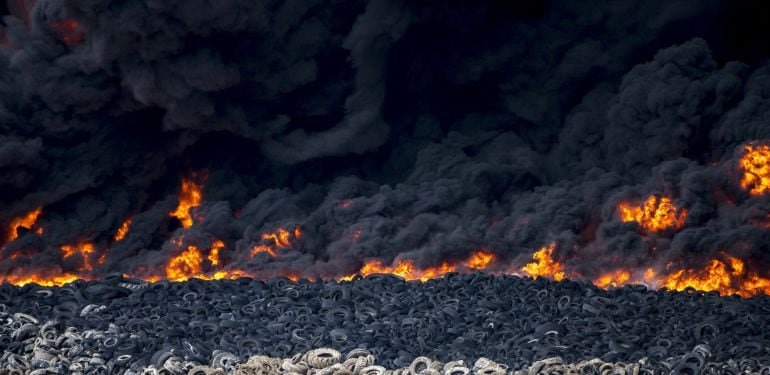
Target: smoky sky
{"x":445,"y":128}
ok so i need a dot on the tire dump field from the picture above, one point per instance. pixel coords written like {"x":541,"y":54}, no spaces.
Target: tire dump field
{"x":380,"y":324}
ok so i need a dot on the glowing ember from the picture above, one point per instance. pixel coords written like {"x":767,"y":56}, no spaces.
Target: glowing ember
{"x":122,"y":231}
{"x":655,"y":214}
{"x":726,"y":277}
{"x":189,"y":197}
{"x":279,"y":239}
{"x":545,"y":265}
{"x":69,"y":31}
{"x":755,"y":164}
{"x":214,"y":253}
{"x":27,"y":221}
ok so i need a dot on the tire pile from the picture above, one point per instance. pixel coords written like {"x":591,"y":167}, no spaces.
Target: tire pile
{"x":502,"y":323}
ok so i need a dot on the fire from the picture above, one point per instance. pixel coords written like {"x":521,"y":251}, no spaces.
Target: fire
{"x":189,"y":264}
{"x":27,"y":221}
{"x":57,"y":280}
{"x":214,"y":253}
{"x":545,"y":265}
{"x":84,"y":249}
{"x":726,"y":276}
{"x":185,"y":265}
{"x":122,"y":231}
{"x":755,"y":164}
{"x":480,"y":260}
{"x":407,"y":269}
{"x":615,"y":278}
{"x":190,"y":196}
{"x":655,"y":214}
{"x":279,"y":239}
{"x":69,"y":31}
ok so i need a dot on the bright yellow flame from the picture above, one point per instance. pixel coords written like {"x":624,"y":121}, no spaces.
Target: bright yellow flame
{"x":190,"y":196}
{"x":726,"y":277}
{"x":655,"y":214}
{"x":27,"y":221}
{"x":48,"y":281}
{"x":185,"y":265}
{"x":545,"y":266}
{"x":189,"y":264}
{"x":122,"y":231}
{"x":755,"y":164}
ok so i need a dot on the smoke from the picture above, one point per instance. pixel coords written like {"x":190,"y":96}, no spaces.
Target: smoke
{"x":383,"y":130}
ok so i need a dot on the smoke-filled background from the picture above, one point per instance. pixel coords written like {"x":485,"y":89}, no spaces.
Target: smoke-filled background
{"x":324,"y":135}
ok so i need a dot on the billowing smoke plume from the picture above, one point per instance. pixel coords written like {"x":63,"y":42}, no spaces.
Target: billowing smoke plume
{"x":323,"y":135}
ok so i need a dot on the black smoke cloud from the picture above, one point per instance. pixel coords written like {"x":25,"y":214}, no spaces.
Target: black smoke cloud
{"x":444,"y":129}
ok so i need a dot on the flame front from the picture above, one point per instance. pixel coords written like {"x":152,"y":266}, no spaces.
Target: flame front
{"x":407,"y":269}
{"x":755,"y":164}
{"x":190,"y":196}
{"x":545,"y":266}
{"x":189,"y":263}
{"x":655,"y":214}
{"x":185,"y":265}
{"x":27,"y":222}
{"x":726,"y":276}
{"x":40,"y":279}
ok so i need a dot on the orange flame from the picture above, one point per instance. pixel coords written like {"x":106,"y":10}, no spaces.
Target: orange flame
{"x":189,"y":264}
{"x":190,"y":196}
{"x":545,"y":265}
{"x":185,"y":265}
{"x":755,"y":164}
{"x":49,"y":281}
{"x":480,"y":260}
{"x":280,"y":239}
{"x":214,"y":253}
{"x":655,"y":214}
{"x":615,"y":278}
{"x":407,"y":270}
{"x":85,"y":250}
{"x":724,"y":276}
{"x":27,"y":221}
{"x":122,"y":231}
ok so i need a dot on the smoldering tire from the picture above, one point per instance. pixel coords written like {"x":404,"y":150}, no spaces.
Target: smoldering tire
{"x":120,"y":325}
